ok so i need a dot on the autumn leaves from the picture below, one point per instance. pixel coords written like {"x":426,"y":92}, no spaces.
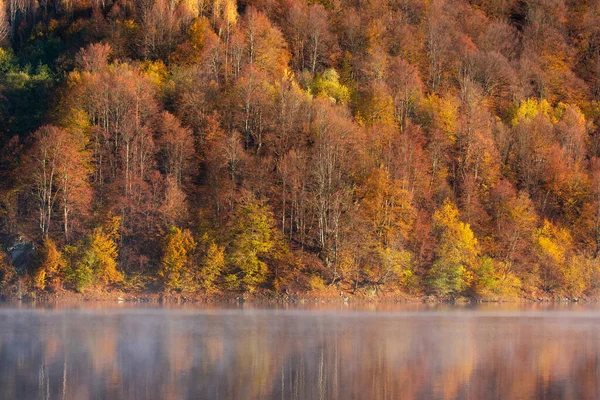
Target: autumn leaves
{"x":443,"y":147}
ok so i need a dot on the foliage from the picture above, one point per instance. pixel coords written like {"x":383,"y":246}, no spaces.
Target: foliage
{"x":457,"y":252}
{"x":398,"y":265}
{"x":530,"y":108}
{"x":316,"y":283}
{"x":7,"y":271}
{"x":493,"y":281}
{"x":328,"y":85}
{"x":213,"y":265}
{"x":95,"y":262}
{"x":51,"y":267}
{"x":560,"y":269}
{"x":352,"y":123}
{"x":252,"y":239}
{"x":176,"y":267}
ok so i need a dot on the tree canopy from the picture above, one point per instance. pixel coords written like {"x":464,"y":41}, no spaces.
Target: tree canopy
{"x":444,"y":147}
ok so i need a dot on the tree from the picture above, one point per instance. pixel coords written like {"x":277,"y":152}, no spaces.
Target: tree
{"x":265,"y":45}
{"x":387,"y":208}
{"x":396,"y":266}
{"x":176,"y":267}
{"x":94,"y":58}
{"x":44,"y":162}
{"x":531,"y":122}
{"x":56,"y":167}
{"x":213,"y":264}
{"x":201,"y":42}
{"x":329,"y":172}
{"x":176,"y":147}
{"x":98,"y":261}
{"x":442,"y":121}
{"x":456,"y":253}
{"x":8,"y":272}
{"x":51,"y":266}
{"x":253,"y":98}
{"x":197,"y":7}
{"x":476,"y":160}
{"x":406,"y":87}
{"x":514,"y":219}
{"x":252,"y":239}
{"x":320,"y":40}
{"x":294,"y":181}
{"x":162,"y":25}
{"x":494,"y":73}
{"x":75,"y":172}
{"x":174,"y":206}
{"x":328,"y":85}
{"x":4,"y":25}
{"x":439,"y":34}
{"x":552,"y":244}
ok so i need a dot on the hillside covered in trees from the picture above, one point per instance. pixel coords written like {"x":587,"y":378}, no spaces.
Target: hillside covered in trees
{"x":428,"y":147}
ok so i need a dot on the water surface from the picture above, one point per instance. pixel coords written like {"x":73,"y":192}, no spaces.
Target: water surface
{"x":112,"y":351}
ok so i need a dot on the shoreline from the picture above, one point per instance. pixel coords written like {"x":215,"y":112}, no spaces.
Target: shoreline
{"x":271,"y":298}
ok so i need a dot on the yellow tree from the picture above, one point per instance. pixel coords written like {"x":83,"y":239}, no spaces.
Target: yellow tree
{"x":176,"y":263}
{"x":456,"y":253}
{"x":201,"y":41}
{"x":377,"y":108}
{"x":387,"y":207}
{"x":559,"y":268}
{"x":328,"y":85}
{"x":253,"y":238}
{"x":387,"y":214}
{"x":51,"y":266}
{"x":213,"y":264}
{"x":530,"y":143}
{"x":98,"y":263}
{"x":441,"y":115}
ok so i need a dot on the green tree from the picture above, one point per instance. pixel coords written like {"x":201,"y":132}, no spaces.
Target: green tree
{"x":328,"y":85}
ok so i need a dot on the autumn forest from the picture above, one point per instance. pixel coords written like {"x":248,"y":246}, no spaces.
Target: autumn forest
{"x":445,"y":148}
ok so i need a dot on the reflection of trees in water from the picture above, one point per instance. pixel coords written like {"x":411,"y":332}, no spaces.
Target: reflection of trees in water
{"x":295,"y":356}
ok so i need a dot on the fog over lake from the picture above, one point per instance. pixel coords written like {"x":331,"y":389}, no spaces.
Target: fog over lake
{"x":122,"y":351}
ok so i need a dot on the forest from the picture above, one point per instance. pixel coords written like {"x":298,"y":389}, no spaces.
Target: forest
{"x":445,"y":148}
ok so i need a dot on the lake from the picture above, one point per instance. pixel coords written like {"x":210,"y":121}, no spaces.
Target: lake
{"x":414,"y":351}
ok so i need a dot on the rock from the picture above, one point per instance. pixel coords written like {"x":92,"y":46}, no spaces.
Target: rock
{"x":19,"y":250}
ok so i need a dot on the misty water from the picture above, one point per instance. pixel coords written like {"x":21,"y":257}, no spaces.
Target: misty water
{"x":121,"y":351}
